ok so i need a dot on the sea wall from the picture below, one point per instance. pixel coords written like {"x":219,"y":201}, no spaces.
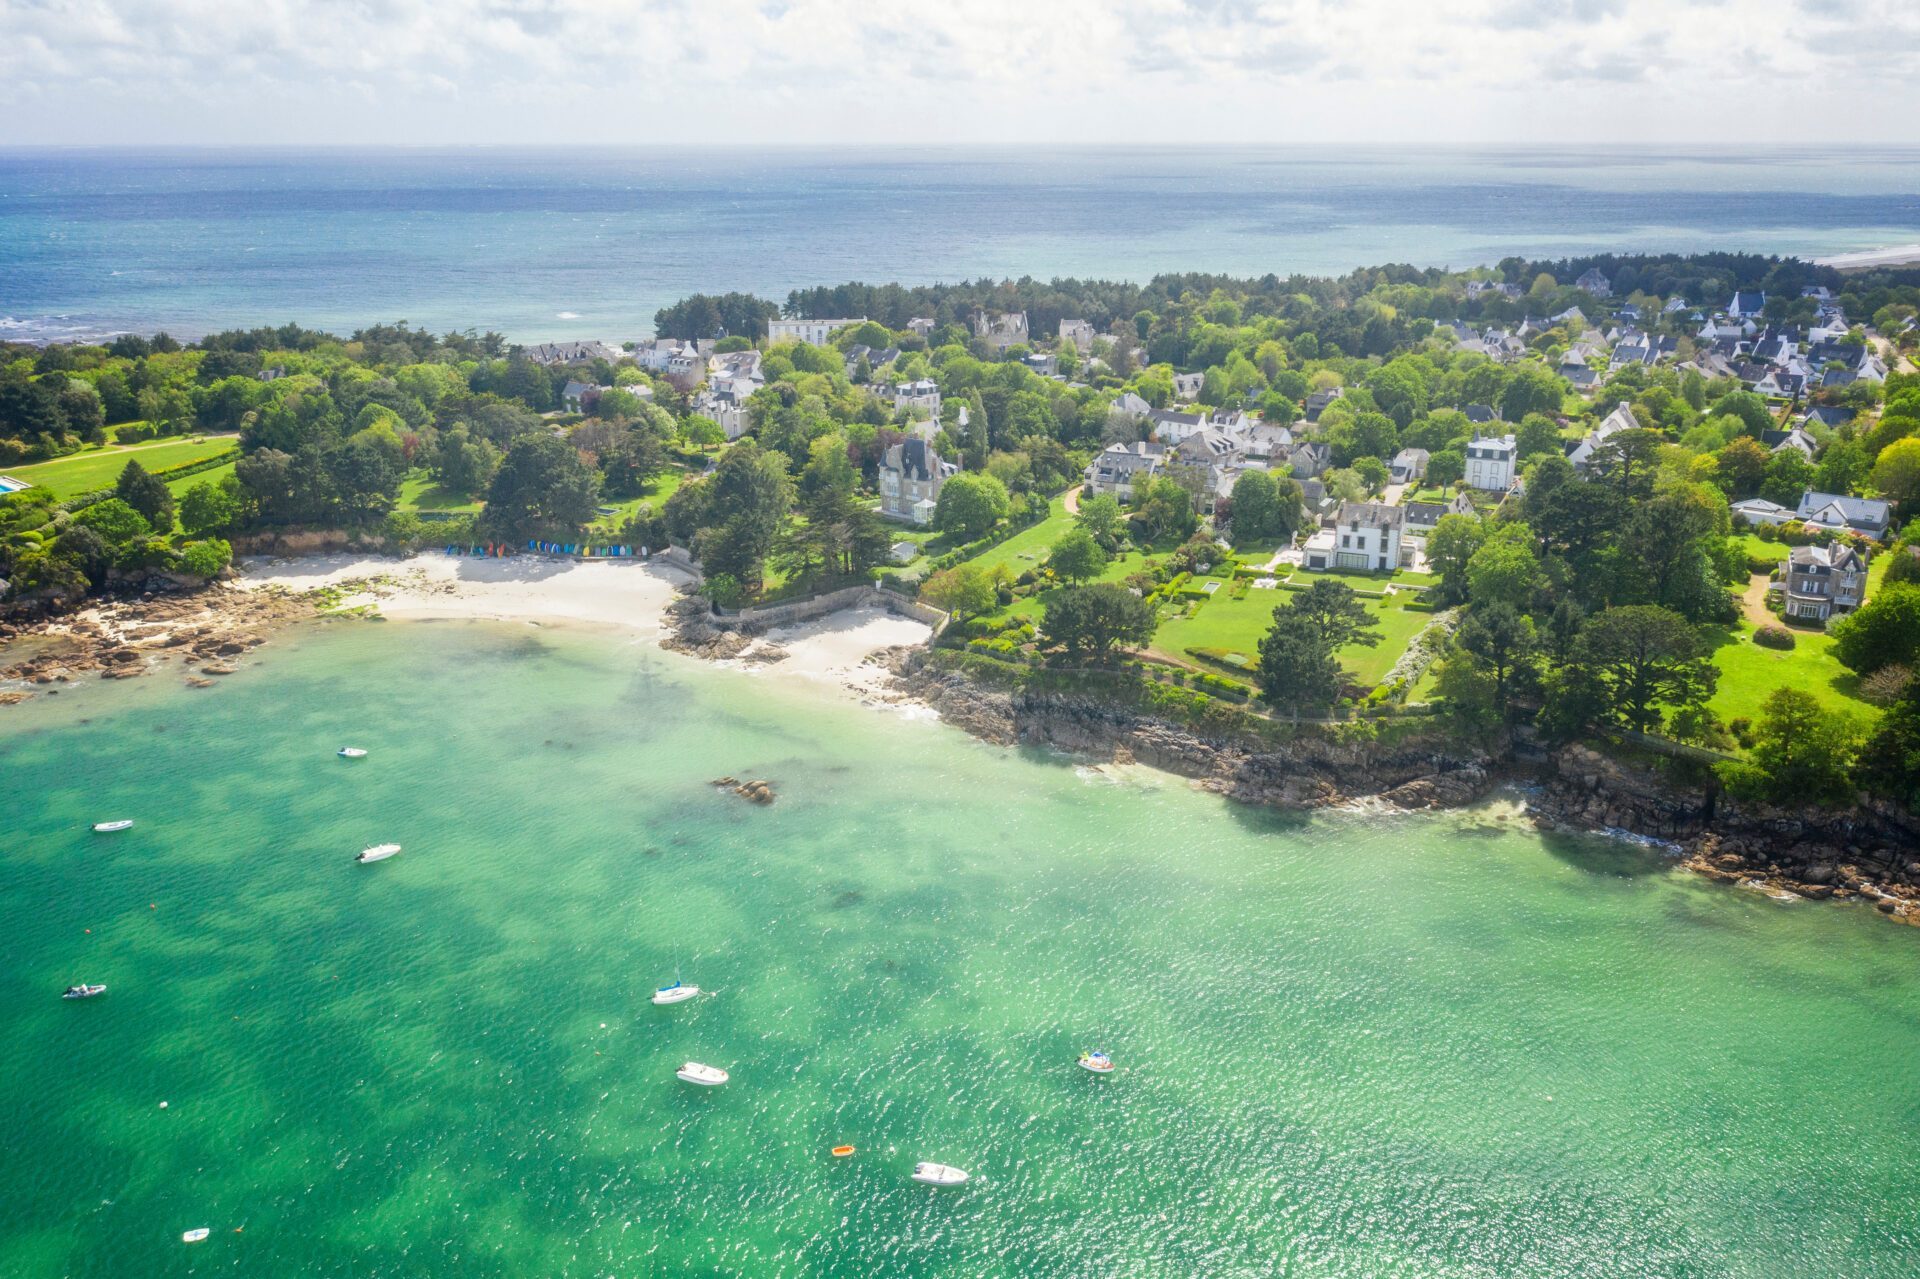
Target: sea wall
{"x":787,"y":614}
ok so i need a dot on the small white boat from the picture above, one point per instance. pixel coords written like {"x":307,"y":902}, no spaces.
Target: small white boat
{"x":82,"y":992}
{"x":1096,"y":1061}
{"x":706,"y":1076}
{"x":195,"y":1235}
{"x":675,"y":994}
{"x":938,"y":1174}
{"x":352,"y":752}
{"x":377,"y":853}
{"x":103,"y":828}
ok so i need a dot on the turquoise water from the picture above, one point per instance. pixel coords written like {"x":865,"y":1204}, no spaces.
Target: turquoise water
{"x":590,"y":242}
{"x":1356,"y":1045}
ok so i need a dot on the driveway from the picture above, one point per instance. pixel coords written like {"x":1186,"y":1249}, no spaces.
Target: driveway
{"x":1753,"y":602}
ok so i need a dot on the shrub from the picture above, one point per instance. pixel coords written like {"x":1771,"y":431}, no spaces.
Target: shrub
{"x":207,"y":557}
{"x":1774,"y":637}
{"x":1884,"y":686}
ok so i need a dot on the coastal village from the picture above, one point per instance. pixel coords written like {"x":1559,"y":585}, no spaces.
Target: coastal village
{"x":1647,"y":504}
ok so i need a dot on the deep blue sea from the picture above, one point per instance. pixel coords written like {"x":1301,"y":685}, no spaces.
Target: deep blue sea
{"x":591,"y":242}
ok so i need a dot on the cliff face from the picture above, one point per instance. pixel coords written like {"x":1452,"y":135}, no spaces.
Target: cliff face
{"x":1307,"y":772}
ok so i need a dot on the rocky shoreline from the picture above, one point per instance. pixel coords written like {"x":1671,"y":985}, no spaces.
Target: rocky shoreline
{"x":203,"y":633}
{"x":1870,"y":852}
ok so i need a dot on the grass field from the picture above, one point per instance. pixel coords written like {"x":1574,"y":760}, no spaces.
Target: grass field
{"x":212,"y":475}
{"x":79,"y":473}
{"x":1757,"y":549}
{"x":419,"y":492}
{"x":1239,"y":624}
{"x":1749,"y":673}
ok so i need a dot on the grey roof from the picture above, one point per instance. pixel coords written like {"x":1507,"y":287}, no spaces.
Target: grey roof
{"x":1478,"y":413}
{"x":1859,"y":512}
{"x":914,"y":458}
{"x":1373,"y":514}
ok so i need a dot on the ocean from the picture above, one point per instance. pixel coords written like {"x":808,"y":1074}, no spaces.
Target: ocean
{"x":1355,"y":1044}
{"x":584,"y":242}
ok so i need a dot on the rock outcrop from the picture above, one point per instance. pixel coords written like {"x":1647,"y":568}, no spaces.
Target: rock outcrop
{"x":1306,"y":771}
{"x":1870,"y":850}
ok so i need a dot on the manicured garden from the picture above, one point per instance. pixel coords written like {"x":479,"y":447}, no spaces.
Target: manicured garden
{"x":94,"y":469}
{"x":1237,"y":625}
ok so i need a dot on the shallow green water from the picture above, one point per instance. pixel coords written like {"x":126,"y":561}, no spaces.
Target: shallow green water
{"x":1365,"y":1045}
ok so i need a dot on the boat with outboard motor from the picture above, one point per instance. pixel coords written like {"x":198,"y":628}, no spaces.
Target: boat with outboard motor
{"x":377,"y":853}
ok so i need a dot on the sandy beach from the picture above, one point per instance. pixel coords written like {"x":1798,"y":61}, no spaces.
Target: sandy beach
{"x":630,"y":594}
{"x":1897,"y":255}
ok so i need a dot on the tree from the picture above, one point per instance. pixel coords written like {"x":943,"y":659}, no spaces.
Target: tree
{"x":1788,"y":475}
{"x":1503,"y":569}
{"x":1076,"y":557}
{"x":1896,"y":474}
{"x":206,"y":558}
{"x":1100,"y":517}
{"x":1883,"y":632}
{"x":146,"y":494}
{"x":1165,"y":509}
{"x":1642,"y":658}
{"x":702,"y":432}
{"x":1266,"y":508}
{"x":1890,"y":760}
{"x":1801,"y":752}
{"x":1451,"y":548}
{"x":1537,"y":434}
{"x":1843,"y":468}
{"x":1333,"y":614}
{"x":1297,"y":668}
{"x":1501,"y":641}
{"x":542,"y":490}
{"x":207,"y":507}
{"x":964,"y":590}
{"x":1742,"y":465}
{"x":464,"y":463}
{"x":1087,"y":622}
{"x":737,"y":512}
{"x":969,"y":505}
{"x":1446,"y":467}
{"x":1534,"y":389}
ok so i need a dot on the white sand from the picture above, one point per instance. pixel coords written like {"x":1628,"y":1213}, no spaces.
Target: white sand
{"x":632,"y":594}
{"x":629,"y":593}
{"x":834,"y":649}
{"x":1898,"y":255}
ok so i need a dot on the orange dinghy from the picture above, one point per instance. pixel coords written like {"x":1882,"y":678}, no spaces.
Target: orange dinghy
{"x":841,"y":1152}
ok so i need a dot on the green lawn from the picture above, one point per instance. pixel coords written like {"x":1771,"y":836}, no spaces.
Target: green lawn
{"x":79,"y":473}
{"x":212,"y":475}
{"x":419,"y":492}
{"x":1754,"y":548}
{"x":1749,"y":673}
{"x":1028,"y":548}
{"x":1223,"y":622}
{"x":658,"y":490}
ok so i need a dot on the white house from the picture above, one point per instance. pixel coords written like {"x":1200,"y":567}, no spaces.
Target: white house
{"x":1408,"y":465}
{"x":1490,"y":462}
{"x":1365,"y":535}
{"x":1078,"y":332}
{"x":921,"y":397}
{"x":911,"y":477}
{"x":1186,"y":386}
{"x":1747,"y":303}
{"x":578,"y":397}
{"x":1758,"y":510}
{"x":812,"y":332}
{"x":922,"y":325}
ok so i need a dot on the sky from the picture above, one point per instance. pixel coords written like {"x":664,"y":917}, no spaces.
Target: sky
{"x":873,"y":73}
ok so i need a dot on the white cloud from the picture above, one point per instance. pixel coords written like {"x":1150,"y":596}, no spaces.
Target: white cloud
{"x":853,"y":71}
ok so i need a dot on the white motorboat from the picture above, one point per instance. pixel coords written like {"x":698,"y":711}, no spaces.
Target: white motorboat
{"x":377,"y":853}
{"x":1096,"y":1061}
{"x":195,"y":1235}
{"x":103,"y":828}
{"x":352,"y":752}
{"x":938,"y":1174}
{"x":677,"y":993}
{"x":706,"y":1076}
{"x":82,"y":992}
